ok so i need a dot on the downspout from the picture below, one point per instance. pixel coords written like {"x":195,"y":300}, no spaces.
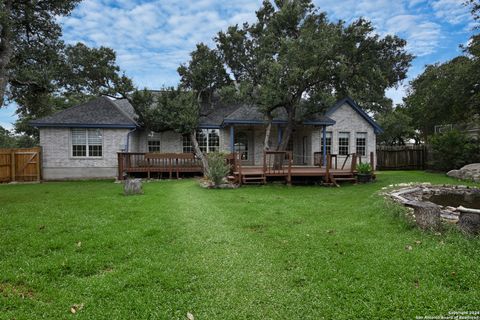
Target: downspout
{"x":127,"y":147}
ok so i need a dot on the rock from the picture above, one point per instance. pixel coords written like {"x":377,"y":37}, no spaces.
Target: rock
{"x":427,"y":214}
{"x":468,"y":172}
{"x":469,"y":223}
{"x":455,"y":174}
{"x":132,"y":187}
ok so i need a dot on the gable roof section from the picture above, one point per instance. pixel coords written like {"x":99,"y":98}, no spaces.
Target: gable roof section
{"x":358,"y":109}
{"x":246,"y":114}
{"x":98,"y":113}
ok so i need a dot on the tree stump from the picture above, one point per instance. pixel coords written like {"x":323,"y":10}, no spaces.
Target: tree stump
{"x":132,"y":187}
{"x":469,"y":222}
{"x":427,"y":214}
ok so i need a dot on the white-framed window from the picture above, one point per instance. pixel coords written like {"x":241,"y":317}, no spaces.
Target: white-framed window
{"x":208,"y":141}
{"x":328,"y":142}
{"x":343,"y":143}
{"x":153,"y":142}
{"x":87,"y":142}
{"x":361,"y":143}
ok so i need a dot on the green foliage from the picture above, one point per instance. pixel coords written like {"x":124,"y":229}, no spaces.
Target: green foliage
{"x":40,"y":73}
{"x":181,"y":248}
{"x":9,"y":140}
{"x":443,"y":94}
{"x":204,"y":74}
{"x":218,"y":167}
{"x":397,"y":126}
{"x":292,"y":57}
{"x":364,"y":168}
{"x":74,"y":75}
{"x":454,"y":149}
{"x":447,"y":93}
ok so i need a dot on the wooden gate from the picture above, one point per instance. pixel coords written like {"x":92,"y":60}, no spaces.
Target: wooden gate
{"x":20,"y":164}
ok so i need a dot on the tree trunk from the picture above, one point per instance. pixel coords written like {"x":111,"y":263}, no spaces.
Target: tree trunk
{"x":5,"y":49}
{"x":268,"y":130}
{"x":288,"y":129}
{"x":199,"y":153}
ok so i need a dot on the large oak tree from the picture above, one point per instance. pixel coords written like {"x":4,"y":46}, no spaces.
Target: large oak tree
{"x":293,"y":58}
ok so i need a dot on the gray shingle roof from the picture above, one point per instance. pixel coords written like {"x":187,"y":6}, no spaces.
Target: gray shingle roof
{"x":100,"y":112}
{"x":250,"y":114}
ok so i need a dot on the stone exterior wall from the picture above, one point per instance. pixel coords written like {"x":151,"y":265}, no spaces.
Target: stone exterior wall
{"x":170,"y":141}
{"x":347,"y":120}
{"x":58,"y":163}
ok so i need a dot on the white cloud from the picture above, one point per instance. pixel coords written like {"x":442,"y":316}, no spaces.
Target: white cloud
{"x":452,"y":11}
{"x":153,"y":37}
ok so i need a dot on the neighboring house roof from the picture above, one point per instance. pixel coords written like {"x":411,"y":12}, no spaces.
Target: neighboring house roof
{"x":99,"y":113}
{"x":358,"y":109}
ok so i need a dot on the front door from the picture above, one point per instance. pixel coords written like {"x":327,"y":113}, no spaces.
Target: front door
{"x":244,"y":146}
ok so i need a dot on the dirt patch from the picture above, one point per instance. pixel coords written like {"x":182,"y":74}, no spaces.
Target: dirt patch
{"x":257,"y":228}
{"x":9,"y":290}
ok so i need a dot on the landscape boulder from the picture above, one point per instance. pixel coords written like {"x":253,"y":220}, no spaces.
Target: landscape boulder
{"x":132,"y":187}
{"x":469,"y":172}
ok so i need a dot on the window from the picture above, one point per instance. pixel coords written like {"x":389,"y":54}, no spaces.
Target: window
{"x":86,"y":142}
{"x":343,"y":143}
{"x":241,"y":145}
{"x":153,"y":142}
{"x":361,"y":143}
{"x":328,"y":142}
{"x":208,"y":141}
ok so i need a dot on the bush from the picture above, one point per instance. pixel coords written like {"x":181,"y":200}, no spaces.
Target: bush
{"x":364,"y":168}
{"x":218,"y":167}
{"x":453,"y":150}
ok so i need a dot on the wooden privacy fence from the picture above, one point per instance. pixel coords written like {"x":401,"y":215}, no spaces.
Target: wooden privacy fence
{"x":401,"y":157}
{"x":20,"y":164}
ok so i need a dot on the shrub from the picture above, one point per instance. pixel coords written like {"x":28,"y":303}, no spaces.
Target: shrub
{"x":218,"y":167}
{"x":364,"y":168}
{"x":453,"y":150}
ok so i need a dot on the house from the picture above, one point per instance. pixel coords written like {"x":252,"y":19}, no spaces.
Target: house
{"x":83,"y":141}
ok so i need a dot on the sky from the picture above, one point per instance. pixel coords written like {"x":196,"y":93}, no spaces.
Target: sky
{"x":153,"y":37}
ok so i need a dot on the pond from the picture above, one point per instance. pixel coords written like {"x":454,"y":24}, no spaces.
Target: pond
{"x":468,"y":200}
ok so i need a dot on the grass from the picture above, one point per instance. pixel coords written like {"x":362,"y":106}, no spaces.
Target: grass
{"x":270,"y":252}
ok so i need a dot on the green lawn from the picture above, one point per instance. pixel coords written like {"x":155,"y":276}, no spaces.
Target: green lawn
{"x":270,"y":252}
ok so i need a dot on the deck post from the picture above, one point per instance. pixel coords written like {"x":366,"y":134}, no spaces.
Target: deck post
{"x":353,"y":167}
{"x":327,"y":169}
{"x":280,"y":134}
{"x":289,"y":178}
{"x":324,"y":144}
{"x":232,"y":139}
{"x":372,"y":160}
{"x":120,"y":166}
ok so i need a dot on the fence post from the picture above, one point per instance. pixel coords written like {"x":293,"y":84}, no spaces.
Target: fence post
{"x":12,"y":165}
{"x":38,"y":165}
{"x":372,"y":159}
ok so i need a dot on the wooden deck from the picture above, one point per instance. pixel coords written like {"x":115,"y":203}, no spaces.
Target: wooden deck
{"x":279,"y":164}
{"x":276,"y":165}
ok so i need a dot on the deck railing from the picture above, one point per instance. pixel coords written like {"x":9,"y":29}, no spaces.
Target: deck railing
{"x":278,"y":163}
{"x":171,"y":163}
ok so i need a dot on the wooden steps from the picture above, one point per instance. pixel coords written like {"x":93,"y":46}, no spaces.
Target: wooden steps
{"x":254,"y":179}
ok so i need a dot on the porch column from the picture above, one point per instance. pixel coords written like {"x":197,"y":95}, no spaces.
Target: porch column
{"x":232,"y":139}
{"x":280,"y":134}
{"x":324,"y":144}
